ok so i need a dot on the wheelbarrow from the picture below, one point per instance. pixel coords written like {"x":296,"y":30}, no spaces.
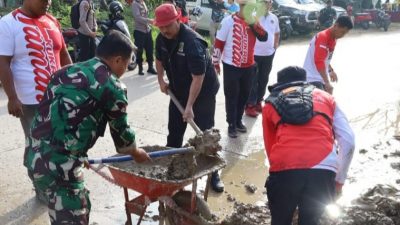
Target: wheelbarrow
{"x":149,"y":180}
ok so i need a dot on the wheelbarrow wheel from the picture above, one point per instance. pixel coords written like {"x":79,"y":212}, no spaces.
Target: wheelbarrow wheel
{"x":183,"y":200}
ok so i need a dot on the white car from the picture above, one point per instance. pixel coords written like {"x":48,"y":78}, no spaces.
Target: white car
{"x":203,"y":23}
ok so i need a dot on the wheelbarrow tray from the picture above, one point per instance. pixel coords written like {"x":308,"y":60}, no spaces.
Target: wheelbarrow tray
{"x":150,"y":178}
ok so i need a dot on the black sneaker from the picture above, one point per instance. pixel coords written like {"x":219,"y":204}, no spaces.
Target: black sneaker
{"x":216,"y":183}
{"x":241,"y":127}
{"x":140,"y":70}
{"x":232,"y":131}
{"x":151,"y":70}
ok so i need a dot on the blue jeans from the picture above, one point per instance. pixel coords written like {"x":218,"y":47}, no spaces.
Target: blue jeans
{"x":264,"y":66}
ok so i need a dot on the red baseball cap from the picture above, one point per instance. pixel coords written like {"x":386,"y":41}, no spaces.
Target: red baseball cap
{"x":165,"y":14}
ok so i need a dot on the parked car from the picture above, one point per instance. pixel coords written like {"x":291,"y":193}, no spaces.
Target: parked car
{"x":202,"y":23}
{"x":303,"y":17}
{"x":319,"y":4}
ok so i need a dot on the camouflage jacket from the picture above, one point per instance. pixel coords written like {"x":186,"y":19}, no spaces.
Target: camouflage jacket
{"x":78,"y":103}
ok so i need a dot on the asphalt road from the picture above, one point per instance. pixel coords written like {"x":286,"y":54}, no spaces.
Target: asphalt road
{"x":367,"y":65}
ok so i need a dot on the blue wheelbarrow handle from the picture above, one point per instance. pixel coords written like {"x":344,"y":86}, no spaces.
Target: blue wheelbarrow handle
{"x":154,"y":154}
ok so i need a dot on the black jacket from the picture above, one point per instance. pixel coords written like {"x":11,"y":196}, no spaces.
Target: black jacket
{"x":186,"y":56}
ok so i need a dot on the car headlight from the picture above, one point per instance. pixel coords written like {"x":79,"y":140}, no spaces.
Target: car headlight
{"x":299,"y":12}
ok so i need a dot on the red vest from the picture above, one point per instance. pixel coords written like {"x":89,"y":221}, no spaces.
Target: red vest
{"x":299,"y":146}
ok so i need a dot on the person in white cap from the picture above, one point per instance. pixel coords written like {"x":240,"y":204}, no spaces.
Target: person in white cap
{"x":234,"y":44}
{"x":183,"y":54}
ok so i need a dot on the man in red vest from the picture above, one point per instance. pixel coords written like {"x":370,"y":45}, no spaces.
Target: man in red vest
{"x":301,"y":126}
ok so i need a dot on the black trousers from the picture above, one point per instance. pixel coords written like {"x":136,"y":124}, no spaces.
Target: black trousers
{"x":204,"y":111}
{"x":143,"y":41}
{"x":87,"y":46}
{"x":308,"y":189}
{"x":237,"y":86}
{"x":264,"y":66}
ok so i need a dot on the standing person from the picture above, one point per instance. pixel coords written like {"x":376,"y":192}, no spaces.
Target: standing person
{"x":32,"y":48}
{"x":327,"y":15}
{"x":87,"y":30}
{"x":264,"y":52}
{"x":183,"y":54}
{"x":217,"y":14}
{"x":235,"y":45}
{"x":79,"y":102}
{"x":142,"y":35}
{"x":300,"y":125}
{"x":232,"y":7}
{"x":317,"y":63}
{"x":181,"y":4}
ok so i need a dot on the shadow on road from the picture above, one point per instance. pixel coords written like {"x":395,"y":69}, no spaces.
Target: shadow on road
{"x":25,"y":213}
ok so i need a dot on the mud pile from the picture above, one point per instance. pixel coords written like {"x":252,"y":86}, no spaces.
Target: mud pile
{"x":208,"y":143}
{"x":378,"y":206}
{"x":247,"y":214}
{"x":182,"y":167}
{"x":172,"y":168}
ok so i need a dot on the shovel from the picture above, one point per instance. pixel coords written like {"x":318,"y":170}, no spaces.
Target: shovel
{"x":154,"y":154}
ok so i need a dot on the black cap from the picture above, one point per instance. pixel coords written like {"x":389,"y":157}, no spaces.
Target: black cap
{"x":291,"y":74}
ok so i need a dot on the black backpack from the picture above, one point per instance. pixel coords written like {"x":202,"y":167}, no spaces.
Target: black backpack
{"x":75,"y":14}
{"x":295,"y":104}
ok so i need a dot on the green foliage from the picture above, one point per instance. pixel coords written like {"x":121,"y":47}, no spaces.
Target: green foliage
{"x":4,"y":11}
{"x":61,"y":10}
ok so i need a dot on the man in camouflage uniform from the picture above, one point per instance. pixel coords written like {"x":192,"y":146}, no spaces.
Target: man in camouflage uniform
{"x":74,"y":112}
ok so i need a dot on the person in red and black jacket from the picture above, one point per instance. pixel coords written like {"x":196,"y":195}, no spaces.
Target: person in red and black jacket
{"x":306,"y":164}
{"x":234,"y":44}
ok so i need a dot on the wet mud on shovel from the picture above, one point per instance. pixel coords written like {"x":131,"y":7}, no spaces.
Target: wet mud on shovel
{"x":206,"y":142}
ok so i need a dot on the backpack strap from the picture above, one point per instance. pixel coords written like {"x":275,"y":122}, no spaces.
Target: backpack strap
{"x":294,"y":104}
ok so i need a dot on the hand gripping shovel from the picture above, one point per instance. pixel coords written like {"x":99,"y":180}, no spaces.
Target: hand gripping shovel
{"x":179,"y":106}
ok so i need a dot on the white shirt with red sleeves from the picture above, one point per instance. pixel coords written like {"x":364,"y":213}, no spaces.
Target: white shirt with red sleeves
{"x":319,"y":55}
{"x":35,"y":45}
{"x":239,"y":42}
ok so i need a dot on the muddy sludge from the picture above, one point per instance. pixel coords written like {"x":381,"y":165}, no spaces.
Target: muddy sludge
{"x":171,"y":168}
{"x":378,"y":206}
{"x":208,"y":143}
{"x":248,"y":214}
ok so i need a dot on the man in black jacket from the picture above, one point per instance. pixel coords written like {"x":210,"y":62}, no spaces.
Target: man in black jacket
{"x":183,"y":54}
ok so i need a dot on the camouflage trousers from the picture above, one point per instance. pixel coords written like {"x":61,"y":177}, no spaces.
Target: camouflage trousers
{"x":60,"y":176}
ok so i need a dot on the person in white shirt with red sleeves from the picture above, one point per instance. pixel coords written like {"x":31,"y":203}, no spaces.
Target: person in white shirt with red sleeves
{"x":234,"y":44}
{"x":264,"y":52}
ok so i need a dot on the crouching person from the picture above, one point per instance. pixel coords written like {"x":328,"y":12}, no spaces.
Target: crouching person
{"x":301,"y":124}
{"x":79,"y":102}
